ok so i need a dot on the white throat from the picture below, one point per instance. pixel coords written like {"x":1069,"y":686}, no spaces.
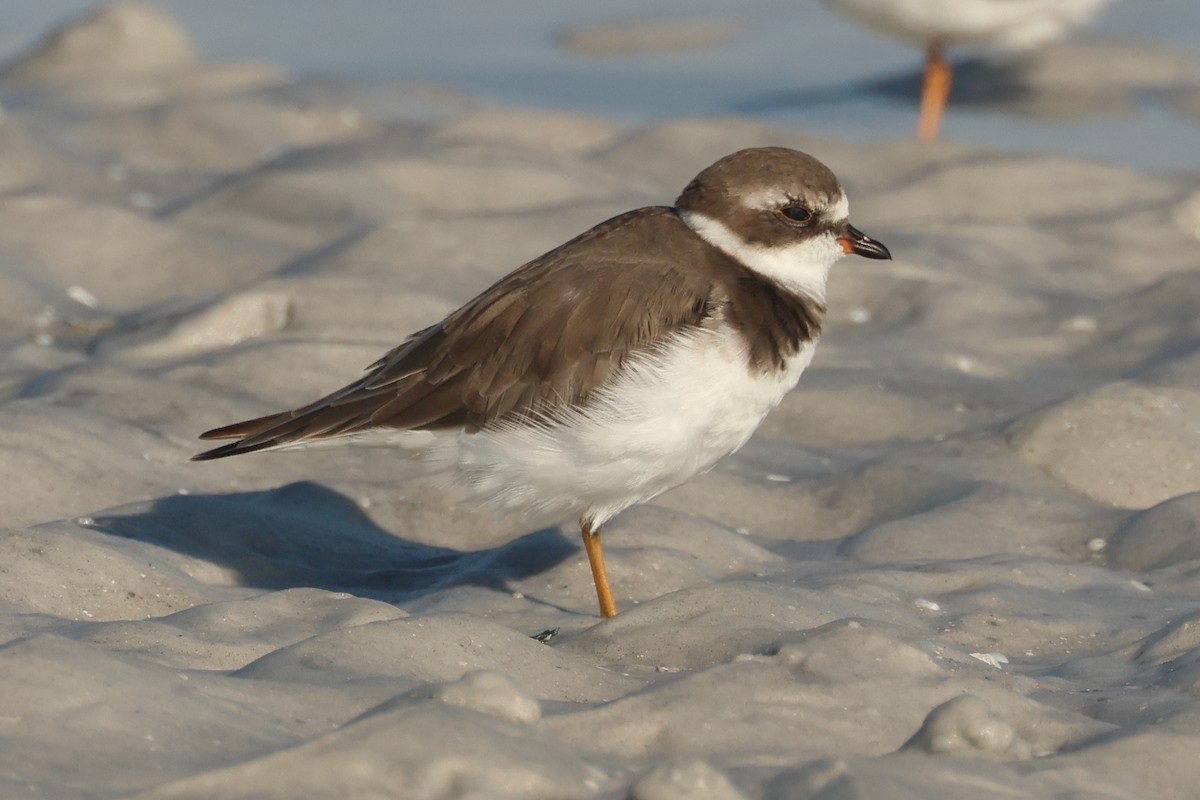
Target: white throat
{"x":801,"y":267}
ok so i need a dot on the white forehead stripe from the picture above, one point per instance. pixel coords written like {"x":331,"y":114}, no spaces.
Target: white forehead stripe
{"x":771,"y":199}
{"x":765,"y":199}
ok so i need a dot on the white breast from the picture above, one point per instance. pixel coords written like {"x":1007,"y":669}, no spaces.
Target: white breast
{"x":665,"y":418}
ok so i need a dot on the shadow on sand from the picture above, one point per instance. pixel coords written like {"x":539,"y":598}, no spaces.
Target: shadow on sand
{"x":978,"y":82}
{"x":304,"y":534}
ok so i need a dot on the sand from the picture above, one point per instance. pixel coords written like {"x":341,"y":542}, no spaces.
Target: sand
{"x":960,"y":561}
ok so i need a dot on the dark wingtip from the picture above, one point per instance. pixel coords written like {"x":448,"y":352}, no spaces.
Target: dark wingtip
{"x":216,"y":452}
{"x":235,"y":431}
{"x":231,"y":449}
{"x":242,"y":431}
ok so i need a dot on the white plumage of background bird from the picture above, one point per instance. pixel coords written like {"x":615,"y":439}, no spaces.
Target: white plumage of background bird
{"x":935,"y":25}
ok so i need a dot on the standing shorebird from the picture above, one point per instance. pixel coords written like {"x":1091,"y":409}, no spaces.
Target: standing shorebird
{"x":616,"y":366}
{"x":936,"y":24}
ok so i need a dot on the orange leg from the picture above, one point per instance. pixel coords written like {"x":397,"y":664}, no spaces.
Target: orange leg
{"x":591,"y":543}
{"x":935,"y":91}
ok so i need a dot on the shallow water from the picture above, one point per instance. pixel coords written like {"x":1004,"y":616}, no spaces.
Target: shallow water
{"x":794,"y":63}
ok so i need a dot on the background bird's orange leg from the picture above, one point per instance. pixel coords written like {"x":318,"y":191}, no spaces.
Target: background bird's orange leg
{"x":935,"y":91}
{"x":591,"y":543}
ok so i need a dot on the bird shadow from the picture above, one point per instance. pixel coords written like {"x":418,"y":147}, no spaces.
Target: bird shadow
{"x":304,"y":534}
{"x":978,"y":82}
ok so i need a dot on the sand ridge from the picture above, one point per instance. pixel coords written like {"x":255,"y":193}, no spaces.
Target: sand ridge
{"x":959,"y":562}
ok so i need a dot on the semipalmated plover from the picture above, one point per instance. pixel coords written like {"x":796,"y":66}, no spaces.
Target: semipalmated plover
{"x":615,"y":366}
{"x":937,"y":24}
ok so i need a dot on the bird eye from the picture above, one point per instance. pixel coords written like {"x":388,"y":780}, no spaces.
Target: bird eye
{"x":798,"y":214}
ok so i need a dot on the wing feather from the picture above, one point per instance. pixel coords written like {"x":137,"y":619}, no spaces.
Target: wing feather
{"x":542,"y":339}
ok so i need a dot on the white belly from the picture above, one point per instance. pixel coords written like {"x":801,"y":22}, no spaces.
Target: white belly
{"x":1010,"y":23}
{"x":661,"y":422}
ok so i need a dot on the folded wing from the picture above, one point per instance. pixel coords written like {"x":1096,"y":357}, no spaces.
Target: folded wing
{"x":544,"y":338}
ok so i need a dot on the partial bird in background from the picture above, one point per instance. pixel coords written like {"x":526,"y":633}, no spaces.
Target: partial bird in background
{"x":935,"y":25}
